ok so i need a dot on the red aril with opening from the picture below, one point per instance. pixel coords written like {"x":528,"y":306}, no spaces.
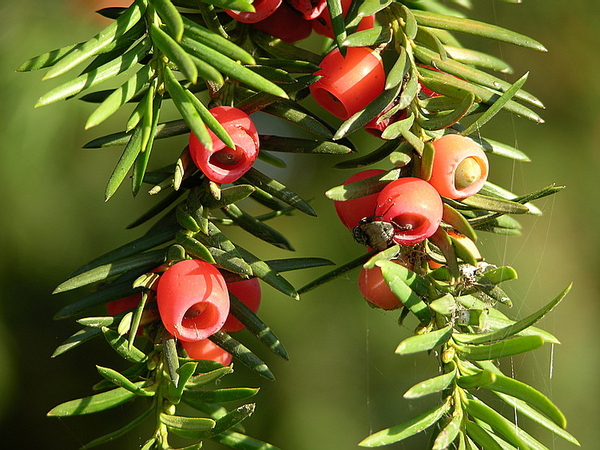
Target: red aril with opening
{"x":349,"y":83}
{"x":413,"y":207}
{"x":192,"y":299}
{"x":460,"y":167}
{"x":224,"y":164}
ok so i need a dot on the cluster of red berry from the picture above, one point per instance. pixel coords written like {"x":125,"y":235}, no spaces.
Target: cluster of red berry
{"x":293,"y":20}
{"x":193,"y":302}
{"x":192,"y":295}
{"x":409,"y":210}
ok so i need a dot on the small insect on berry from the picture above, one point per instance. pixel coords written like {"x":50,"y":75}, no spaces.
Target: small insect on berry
{"x":351,"y":212}
{"x":413,"y":207}
{"x":373,"y":233}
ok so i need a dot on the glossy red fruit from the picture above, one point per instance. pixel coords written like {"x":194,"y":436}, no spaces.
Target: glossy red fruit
{"x":224,"y":164}
{"x":352,"y":211}
{"x":350,"y":83}
{"x":207,"y":350}
{"x":322,"y":23}
{"x":460,"y":167}
{"x":286,"y":24}
{"x":413,"y":207}
{"x":310,"y":9}
{"x":375,"y":290}
{"x":123,"y":304}
{"x":263,"y":9}
{"x":248,"y":292}
{"x":193,"y":301}
{"x":150,"y":313}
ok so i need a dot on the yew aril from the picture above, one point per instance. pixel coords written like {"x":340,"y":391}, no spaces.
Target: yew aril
{"x":249,"y":293}
{"x":150,"y":313}
{"x":192,"y":299}
{"x":322,"y":23}
{"x":310,"y":9}
{"x":207,"y":350}
{"x":263,"y":9}
{"x":352,"y":211}
{"x":286,"y":24}
{"x":223,"y":164}
{"x":349,"y":83}
{"x":375,"y":290}
{"x":413,"y":207}
{"x":460,"y":167}
{"x":123,"y":304}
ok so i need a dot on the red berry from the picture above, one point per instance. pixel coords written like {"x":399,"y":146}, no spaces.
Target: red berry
{"x":207,"y":350}
{"x":322,"y":23}
{"x":460,"y":167}
{"x":123,"y":304}
{"x":150,"y":313}
{"x":376,"y":127}
{"x":286,"y":24}
{"x":263,"y":9}
{"x":375,"y":290}
{"x":224,"y":164}
{"x":248,"y":292}
{"x":352,"y":211}
{"x":193,"y":301}
{"x":413,"y":207}
{"x":310,"y":9}
{"x":350,"y":83}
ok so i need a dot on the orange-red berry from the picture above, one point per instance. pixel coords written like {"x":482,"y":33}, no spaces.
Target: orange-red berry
{"x":348,"y":83}
{"x":413,"y":207}
{"x":460,"y":167}
{"x":192,"y":299}
{"x":223,"y":164}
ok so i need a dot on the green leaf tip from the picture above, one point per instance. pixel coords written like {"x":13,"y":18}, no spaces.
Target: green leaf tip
{"x":451,"y":23}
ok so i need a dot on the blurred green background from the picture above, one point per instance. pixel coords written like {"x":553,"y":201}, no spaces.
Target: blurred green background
{"x":343,"y":380}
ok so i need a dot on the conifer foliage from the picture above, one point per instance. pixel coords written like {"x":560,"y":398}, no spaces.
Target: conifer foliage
{"x":394,"y":68}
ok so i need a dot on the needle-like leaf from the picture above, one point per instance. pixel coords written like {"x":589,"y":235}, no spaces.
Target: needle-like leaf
{"x":102,"y":40}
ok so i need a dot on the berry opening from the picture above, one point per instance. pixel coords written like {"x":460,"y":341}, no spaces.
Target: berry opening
{"x":467,"y":172}
{"x":228,"y":158}
{"x":200,"y":316}
{"x":460,"y":167}
{"x":207,"y":350}
{"x":334,"y":105}
{"x":406,"y":225}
